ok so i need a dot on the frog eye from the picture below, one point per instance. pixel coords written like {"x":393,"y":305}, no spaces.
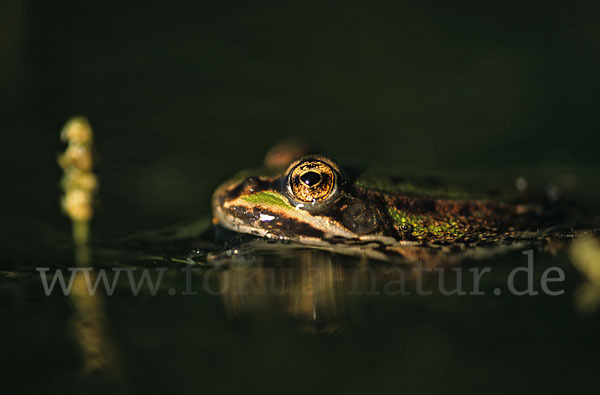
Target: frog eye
{"x":312,"y":180}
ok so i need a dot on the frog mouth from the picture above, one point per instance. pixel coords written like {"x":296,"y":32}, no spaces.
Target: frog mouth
{"x":276,"y":222}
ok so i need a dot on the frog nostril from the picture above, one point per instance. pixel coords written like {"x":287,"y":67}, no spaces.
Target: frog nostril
{"x":250,"y":184}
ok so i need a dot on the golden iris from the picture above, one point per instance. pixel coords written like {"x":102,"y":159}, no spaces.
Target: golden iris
{"x":312,"y":181}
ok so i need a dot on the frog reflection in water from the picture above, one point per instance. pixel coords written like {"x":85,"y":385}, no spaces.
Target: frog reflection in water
{"x":313,"y":291}
{"x":313,"y":202}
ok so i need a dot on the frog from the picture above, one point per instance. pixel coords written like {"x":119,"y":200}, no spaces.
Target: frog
{"x":312,"y":201}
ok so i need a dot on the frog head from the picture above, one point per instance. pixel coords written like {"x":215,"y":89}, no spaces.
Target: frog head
{"x":312,"y":201}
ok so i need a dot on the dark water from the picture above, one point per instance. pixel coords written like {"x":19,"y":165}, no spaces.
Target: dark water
{"x":181,"y":97}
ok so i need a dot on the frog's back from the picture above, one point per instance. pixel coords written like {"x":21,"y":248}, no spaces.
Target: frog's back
{"x":432,"y":212}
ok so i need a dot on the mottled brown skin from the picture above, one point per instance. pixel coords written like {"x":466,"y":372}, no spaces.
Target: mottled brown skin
{"x":476,"y":221}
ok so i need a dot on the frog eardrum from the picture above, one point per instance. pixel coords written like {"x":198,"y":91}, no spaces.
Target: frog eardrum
{"x":313,"y":179}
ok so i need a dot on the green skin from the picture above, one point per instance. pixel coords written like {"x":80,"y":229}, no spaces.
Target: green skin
{"x":378,"y":217}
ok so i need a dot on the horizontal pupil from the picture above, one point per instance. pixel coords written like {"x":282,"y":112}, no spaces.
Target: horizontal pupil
{"x":310,"y":178}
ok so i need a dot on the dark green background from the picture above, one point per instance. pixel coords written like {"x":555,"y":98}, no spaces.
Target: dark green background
{"x":183,"y":95}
